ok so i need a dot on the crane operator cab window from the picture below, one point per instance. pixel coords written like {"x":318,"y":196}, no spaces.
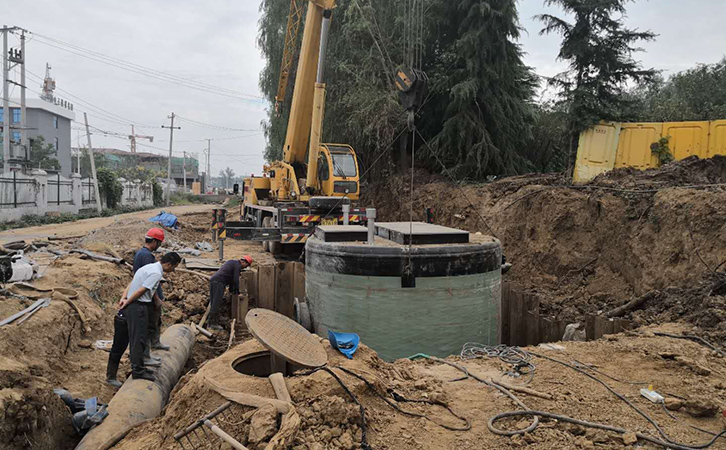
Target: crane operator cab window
{"x":323,"y":168}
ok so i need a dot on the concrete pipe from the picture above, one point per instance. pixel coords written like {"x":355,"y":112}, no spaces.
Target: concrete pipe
{"x":140,"y":400}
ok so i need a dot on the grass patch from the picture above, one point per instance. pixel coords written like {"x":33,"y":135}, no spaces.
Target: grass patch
{"x":32,"y":220}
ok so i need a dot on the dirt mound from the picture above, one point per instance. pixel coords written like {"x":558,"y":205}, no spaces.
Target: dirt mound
{"x":331,"y":419}
{"x":584,"y":249}
{"x":686,"y":172}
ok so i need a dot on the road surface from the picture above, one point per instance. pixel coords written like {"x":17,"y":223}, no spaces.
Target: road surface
{"x":87,"y":225}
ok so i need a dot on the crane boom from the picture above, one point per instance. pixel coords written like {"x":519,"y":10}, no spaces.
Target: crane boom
{"x":291,"y":34}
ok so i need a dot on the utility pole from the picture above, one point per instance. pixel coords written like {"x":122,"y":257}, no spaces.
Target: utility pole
{"x":209,"y":159}
{"x":6,"y":102}
{"x":23,"y":117}
{"x":132,"y":138}
{"x":93,"y":165}
{"x":168,"y":170}
{"x":184,"y":171}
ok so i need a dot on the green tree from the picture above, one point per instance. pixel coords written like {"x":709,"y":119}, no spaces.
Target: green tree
{"x":99,"y":158}
{"x":478,"y":115}
{"x":227,"y":176}
{"x":599,"y":51}
{"x":109,"y":186}
{"x":695,"y":94}
{"x":43,"y":155}
{"x":487,"y":110}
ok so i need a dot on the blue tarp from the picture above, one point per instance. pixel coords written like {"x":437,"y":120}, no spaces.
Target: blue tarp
{"x":166,"y":219}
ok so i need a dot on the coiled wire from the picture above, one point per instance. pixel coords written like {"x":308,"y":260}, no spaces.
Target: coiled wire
{"x":520,"y":360}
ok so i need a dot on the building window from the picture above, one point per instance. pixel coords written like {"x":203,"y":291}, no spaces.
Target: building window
{"x":55,"y":122}
{"x":16,"y":115}
{"x":16,"y":137}
{"x":55,"y":145}
{"x":1,"y":114}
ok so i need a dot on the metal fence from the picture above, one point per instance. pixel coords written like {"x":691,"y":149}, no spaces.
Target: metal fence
{"x":88,"y":193}
{"x":60,"y":190}
{"x":17,"y":191}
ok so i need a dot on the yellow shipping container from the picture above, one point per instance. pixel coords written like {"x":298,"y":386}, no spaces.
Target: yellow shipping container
{"x":611,"y":145}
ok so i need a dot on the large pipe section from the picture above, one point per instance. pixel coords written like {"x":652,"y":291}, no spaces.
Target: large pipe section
{"x":140,"y":400}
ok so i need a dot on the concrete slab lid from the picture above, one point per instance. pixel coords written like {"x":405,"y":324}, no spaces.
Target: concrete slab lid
{"x":420,"y":233}
{"x":286,"y":338}
{"x":341,"y":228}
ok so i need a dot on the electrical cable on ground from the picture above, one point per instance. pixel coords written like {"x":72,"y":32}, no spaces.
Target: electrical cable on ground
{"x":668,"y":442}
{"x":399,"y":398}
{"x":526,"y":412}
{"x":519,"y":359}
{"x":592,"y":368}
{"x":697,"y":339}
{"x":600,"y":426}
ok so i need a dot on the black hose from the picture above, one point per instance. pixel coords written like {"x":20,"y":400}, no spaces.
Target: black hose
{"x":600,"y":426}
{"x":400,"y":398}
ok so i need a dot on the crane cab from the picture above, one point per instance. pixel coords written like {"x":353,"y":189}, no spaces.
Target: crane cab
{"x":338,"y":174}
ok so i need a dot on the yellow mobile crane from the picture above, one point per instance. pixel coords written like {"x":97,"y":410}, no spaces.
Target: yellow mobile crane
{"x":313,"y":181}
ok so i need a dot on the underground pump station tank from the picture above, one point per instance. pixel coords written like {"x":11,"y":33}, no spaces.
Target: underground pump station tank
{"x":405,"y":288}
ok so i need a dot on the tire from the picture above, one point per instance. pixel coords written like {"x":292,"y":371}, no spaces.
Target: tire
{"x":275,"y":247}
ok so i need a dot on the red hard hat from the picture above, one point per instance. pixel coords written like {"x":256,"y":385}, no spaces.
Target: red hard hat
{"x":155,"y":233}
{"x":247,"y":258}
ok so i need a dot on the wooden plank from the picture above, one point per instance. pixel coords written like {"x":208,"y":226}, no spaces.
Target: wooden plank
{"x":266,"y":287}
{"x":590,"y":328}
{"x":548,"y":330}
{"x":561,"y":325}
{"x":504,"y":314}
{"x":609,"y":327}
{"x":516,"y":319}
{"x":234,"y":305}
{"x":284,"y":301}
{"x":244,"y":307}
{"x":532,"y":320}
{"x":252,"y":286}
{"x":299,"y":281}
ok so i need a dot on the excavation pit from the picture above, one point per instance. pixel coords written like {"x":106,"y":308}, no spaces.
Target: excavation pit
{"x":258,"y":364}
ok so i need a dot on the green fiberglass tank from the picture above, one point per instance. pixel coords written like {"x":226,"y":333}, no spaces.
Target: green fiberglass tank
{"x":413,"y":288}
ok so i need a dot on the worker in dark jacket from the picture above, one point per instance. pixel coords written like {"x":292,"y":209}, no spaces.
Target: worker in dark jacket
{"x":152,"y":241}
{"x":227,"y":275}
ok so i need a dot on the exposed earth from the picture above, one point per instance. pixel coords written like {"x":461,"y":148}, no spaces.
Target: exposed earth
{"x":585,"y":249}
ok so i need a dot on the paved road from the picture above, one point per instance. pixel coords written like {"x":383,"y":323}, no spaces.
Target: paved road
{"x":87,"y":225}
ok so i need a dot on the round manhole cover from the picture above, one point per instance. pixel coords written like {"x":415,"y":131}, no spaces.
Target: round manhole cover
{"x":286,"y":338}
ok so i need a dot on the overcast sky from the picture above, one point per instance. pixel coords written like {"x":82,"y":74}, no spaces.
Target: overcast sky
{"x":214,"y":43}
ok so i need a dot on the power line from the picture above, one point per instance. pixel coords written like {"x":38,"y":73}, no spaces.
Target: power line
{"x":111,"y":117}
{"x":216,"y":127}
{"x":146,"y":71}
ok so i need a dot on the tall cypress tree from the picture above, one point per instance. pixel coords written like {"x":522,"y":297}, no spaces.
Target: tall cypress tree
{"x":485,"y":109}
{"x":599,"y":50}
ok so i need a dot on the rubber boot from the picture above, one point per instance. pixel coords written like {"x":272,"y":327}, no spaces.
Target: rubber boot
{"x":156,"y":342}
{"x":111,"y":371}
{"x":148,"y":356}
{"x":152,"y":362}
{"x":213,"y":324}
{"x":144,"y":375}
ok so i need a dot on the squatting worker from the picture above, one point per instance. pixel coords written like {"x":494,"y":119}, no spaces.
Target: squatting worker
{"x":152,"y":241}
{"x":130,"y":324}
{"x":227,"y":275}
